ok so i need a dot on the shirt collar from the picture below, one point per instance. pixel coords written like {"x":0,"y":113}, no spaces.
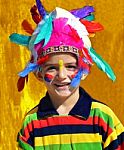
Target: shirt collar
{"x":81,"y":108}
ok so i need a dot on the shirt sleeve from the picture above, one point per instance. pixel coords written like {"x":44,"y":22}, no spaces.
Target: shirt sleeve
{"x":115,"y":138}
{"x":25,"y":136}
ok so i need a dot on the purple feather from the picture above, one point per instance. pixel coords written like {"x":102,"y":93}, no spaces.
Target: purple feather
{"x":41,"y":9}
{"x":82,"y":12}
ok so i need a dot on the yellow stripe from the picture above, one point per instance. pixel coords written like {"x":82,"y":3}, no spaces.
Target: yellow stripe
{"x":113,"y":136}
{"x":61,"y":64}
{"x":119,"y":129}
{"x":107,"y":111}
{"x":67,"y":139}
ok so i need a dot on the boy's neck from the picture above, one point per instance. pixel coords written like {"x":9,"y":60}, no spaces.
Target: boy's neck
{"x":64,"y":105}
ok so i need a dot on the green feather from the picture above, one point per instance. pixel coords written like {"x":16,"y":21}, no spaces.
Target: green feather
{"x":45,"y":31}
{"x":90,"y":17}
{"x":102,"y":64}
{"x":19,"y":39}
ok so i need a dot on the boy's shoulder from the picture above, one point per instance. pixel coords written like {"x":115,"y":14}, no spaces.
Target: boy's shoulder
{"x":103,"y":111}
{"x":32,"y":111}
{"x":98,"y":105}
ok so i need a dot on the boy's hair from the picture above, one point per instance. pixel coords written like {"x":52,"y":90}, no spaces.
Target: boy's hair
{"x":61,"y":31}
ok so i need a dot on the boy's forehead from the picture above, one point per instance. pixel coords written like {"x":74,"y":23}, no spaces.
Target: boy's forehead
{"x":65,"y":57}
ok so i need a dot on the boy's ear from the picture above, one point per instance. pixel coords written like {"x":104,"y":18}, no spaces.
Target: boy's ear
{"x":84,"y":76}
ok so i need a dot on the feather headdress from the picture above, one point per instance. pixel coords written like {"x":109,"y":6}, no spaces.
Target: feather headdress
{"x":61,"y":31}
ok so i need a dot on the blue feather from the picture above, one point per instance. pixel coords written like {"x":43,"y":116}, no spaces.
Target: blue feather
{"x":41,"y":9}
{"x":102,"y":64}
{"x":76,"y":80}
{"x":82,"y":12}
{"x":29,"y":68}
{"x":20,"y":39}
{"x":45,"y":30}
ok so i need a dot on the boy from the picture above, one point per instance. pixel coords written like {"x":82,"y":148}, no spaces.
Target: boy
{"x":61,"y":55}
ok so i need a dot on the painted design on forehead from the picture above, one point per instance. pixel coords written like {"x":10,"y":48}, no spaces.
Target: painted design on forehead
{"x":48,"y":77}
{"x":61,"y":63}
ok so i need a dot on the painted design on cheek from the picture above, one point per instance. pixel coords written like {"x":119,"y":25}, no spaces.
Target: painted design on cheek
{"x":48,"y":77}
{"x":61,"y":63}
{"x":73,"y":75}
{"x":76,"y":80}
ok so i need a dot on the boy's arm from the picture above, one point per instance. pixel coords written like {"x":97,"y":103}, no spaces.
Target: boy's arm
{"x":25,"y":139}
{"x":115,"y":140}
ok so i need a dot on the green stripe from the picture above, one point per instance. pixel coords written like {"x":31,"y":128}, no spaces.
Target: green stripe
{"x":28,"y":119}
{"x":97,"y":112}
{"x":77,"y":146}
{"x":24,"y":145}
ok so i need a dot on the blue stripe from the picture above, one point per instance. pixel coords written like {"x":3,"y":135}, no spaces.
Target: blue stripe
{"x":65,"y":129}
{"x":116,"y":143}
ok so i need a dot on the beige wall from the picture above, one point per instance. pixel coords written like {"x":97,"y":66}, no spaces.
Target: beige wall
{"x":109,"y":44}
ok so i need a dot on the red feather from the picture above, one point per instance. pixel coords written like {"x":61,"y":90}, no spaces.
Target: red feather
{"x":74,"y":34}
{"x":42,"y":60}
{"x":92,"y":26}
{"x":21,"y":83}
{"x":27,"y":27}
{"x":83,"y":65}
{"x":35,"y":16}
{"x":86,"y":54}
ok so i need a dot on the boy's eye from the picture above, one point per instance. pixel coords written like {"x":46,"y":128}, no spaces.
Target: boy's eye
{"x":71,"y":67}
{"x":51,"y":68}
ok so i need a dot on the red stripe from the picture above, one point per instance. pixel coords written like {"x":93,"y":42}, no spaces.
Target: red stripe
{"x":73,"y":75}
{"x":49,"y":76}
{"x":121,"y":147}
{"x":66,"y":120}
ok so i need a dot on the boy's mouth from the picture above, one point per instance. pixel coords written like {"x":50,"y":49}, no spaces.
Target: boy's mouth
{"x":65,"y":84}
{"x":62,"y":85}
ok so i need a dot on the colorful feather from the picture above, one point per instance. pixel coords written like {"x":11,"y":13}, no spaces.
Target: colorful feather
{"x":82,"y":12}
{"x":21,"y":83}
{"x":41,"y":9}
{"x":29,"y":68}
{"x":35,"y":16}
{"x":102,"y":64}
{"x":45,"y":31}
{"x":27,"y":27}
{"x":20,"y":39}
{"x":38,"y":46}
{"x":42,"y":60}
{"x":91,"y":26}
{"x":89,"y":17}
{"x":74,"y":34}
{"x":86,"y":54}
{"x":76,"y":80}
{"x":83,"y":65}
{"x":64,"y":34}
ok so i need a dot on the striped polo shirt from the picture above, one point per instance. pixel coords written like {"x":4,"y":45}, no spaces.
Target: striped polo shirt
{"x":90,"y":125}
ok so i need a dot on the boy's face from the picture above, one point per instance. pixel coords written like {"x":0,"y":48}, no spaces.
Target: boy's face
{"x":57,"y":77}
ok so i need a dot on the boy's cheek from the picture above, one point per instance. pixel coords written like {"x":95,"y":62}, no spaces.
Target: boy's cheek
{"x":74,"y":74}
{"x":48,"y":77}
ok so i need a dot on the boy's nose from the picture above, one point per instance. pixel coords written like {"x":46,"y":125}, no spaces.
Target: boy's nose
{"x":62,"y":73}
{"x":62,"y":70}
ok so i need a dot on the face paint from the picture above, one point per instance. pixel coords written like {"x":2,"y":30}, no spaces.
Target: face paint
{"x":76,"y":80}
{"x":61,"y":65}
{"x":73,"y":75}
{"x":48,"y":77}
